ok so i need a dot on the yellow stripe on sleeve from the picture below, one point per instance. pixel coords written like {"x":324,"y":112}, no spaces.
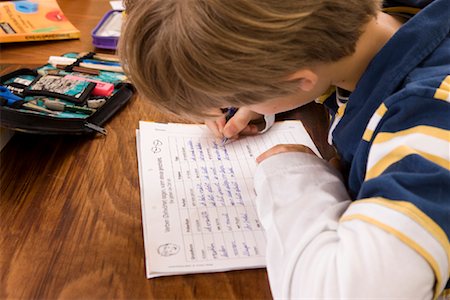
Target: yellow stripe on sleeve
{"x":367,"y":134}
{"x":423,"y":129}
{"x":410,"y":210}
{"x":425,"y":254}
{"x":341,"y":110}
{"x":443,"y":92}
{"x":398,"y":154}
{"x":445,"y":85}
{"x":390,"y":147}
{"x":381,"y":110}
{"x":373,"y":122}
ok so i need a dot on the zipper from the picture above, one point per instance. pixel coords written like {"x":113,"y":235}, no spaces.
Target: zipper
{"x":95,"y":128}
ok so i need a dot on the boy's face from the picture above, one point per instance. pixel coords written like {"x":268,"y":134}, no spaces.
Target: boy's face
{"x":288,"y":102}
{"x":280,"y":104}
{"x":305,"y":94}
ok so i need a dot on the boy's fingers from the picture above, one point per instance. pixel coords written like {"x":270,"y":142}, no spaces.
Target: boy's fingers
{"x":220,"y":122}
{"x":251,"y":129}
{"x":212,"y":125}
{"x":282,"y":148}
{"x":237,"y":123}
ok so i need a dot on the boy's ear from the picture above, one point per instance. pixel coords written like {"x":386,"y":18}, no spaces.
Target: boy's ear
{"x":306,"y":78}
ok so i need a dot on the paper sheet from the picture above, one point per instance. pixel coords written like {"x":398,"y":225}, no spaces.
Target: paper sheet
{"x":197,"y":197}
{"x":117,"y":5}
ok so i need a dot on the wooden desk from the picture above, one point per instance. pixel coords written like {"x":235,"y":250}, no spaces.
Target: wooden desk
{"x":70,"y":218}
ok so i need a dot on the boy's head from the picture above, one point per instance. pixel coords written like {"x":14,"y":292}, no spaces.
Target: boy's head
{"x":191,"y":56}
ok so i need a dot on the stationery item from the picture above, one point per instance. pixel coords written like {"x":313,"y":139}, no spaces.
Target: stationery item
{"x":197,"y":197}
{"x":101,"y":56}
{"x":73,"y":90}
{"x":96,"y":103}
{"x":117,"y":5}
{"x":60,"y":106}
{"x":101,"y":62}
{"x":100,"y":89}
{"x":107,"y":32}
{"x":33,"y":106}
{"x":23,"y":81}
{"x":229,"y":114}
{"x":104,"y":76}
{"x":61,"y":60}
{"x":24,"y":21}
{"x":85,"y":70}
{"x":18,"y":84}
{"x":10,"y":99}
{"x":50,"y":103}
{"x":101,"y":67}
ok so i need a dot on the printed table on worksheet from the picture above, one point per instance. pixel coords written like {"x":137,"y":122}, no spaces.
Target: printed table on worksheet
{"x":198,"y":199}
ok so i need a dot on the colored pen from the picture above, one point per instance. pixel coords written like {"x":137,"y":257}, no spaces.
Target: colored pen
{"x":100,"y":62}
{"x":59,"y":106}
{"x":10,"y":98}
{"x":78,"y":69}
{"x":229,"y":114}
{"x":101,"y":67}
{"x":101,"y":56}
{"x":33,"y":106}
{"x":85,"y":70}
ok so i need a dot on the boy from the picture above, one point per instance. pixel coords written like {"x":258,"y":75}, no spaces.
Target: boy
{"x":386,"y":234}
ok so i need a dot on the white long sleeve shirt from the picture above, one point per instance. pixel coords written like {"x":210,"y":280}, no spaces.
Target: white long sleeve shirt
{"x":311,"y":254}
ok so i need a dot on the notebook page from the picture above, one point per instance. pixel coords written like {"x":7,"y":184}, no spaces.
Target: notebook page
{"x":197,"y":197}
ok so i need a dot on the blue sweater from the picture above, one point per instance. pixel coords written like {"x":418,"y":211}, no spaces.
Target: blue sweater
{"x":393,"y":130}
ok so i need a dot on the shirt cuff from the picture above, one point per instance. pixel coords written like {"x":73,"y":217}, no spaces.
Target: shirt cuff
{"x":270,"y":119}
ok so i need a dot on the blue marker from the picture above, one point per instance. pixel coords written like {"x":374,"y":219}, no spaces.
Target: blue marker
{"x":98,"y":62}
{"x":10,"y":99}
{"x":230,"y":113}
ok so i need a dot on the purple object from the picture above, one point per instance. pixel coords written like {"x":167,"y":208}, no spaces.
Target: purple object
{"x":106,"y":34}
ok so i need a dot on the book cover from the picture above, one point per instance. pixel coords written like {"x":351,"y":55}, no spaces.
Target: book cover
{"x":38,"y":20}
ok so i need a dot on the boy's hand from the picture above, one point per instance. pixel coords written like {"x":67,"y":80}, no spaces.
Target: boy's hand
{"x":239,"y":124}
{"x":283,"y":148}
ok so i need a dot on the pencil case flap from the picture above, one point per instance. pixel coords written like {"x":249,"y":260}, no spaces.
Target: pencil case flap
{"x":73,"y":90}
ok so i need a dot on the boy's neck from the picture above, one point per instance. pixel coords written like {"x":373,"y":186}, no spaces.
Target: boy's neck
{"x":377,"y":33}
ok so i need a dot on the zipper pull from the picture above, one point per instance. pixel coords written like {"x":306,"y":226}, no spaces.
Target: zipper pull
{"x":95,"y":128}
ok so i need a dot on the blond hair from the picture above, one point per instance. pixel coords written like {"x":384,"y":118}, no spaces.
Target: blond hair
{"x":188,"y":56}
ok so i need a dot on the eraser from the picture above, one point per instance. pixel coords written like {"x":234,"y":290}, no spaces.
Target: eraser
{"x":61,"y":60}
{"x":101,"y":88}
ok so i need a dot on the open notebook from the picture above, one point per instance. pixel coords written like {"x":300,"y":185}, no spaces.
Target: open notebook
{"x":197,"y":197}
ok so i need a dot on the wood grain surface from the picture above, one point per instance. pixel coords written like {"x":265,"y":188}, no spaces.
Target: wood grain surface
{"x":70,"y":218}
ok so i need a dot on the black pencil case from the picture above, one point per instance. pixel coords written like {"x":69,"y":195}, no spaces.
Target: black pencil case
{"x":42,"y":111}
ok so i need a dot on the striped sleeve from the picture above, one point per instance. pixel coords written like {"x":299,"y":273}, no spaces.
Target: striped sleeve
{"x":406,"y":189}
{"x":411,"y":226}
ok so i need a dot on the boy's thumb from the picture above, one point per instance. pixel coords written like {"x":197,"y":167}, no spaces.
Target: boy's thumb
{"x":230,"y":129}
{"x":237,"y":123}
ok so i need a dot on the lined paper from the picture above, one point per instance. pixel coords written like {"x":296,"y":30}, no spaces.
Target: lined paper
{"x":197,"y":197}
